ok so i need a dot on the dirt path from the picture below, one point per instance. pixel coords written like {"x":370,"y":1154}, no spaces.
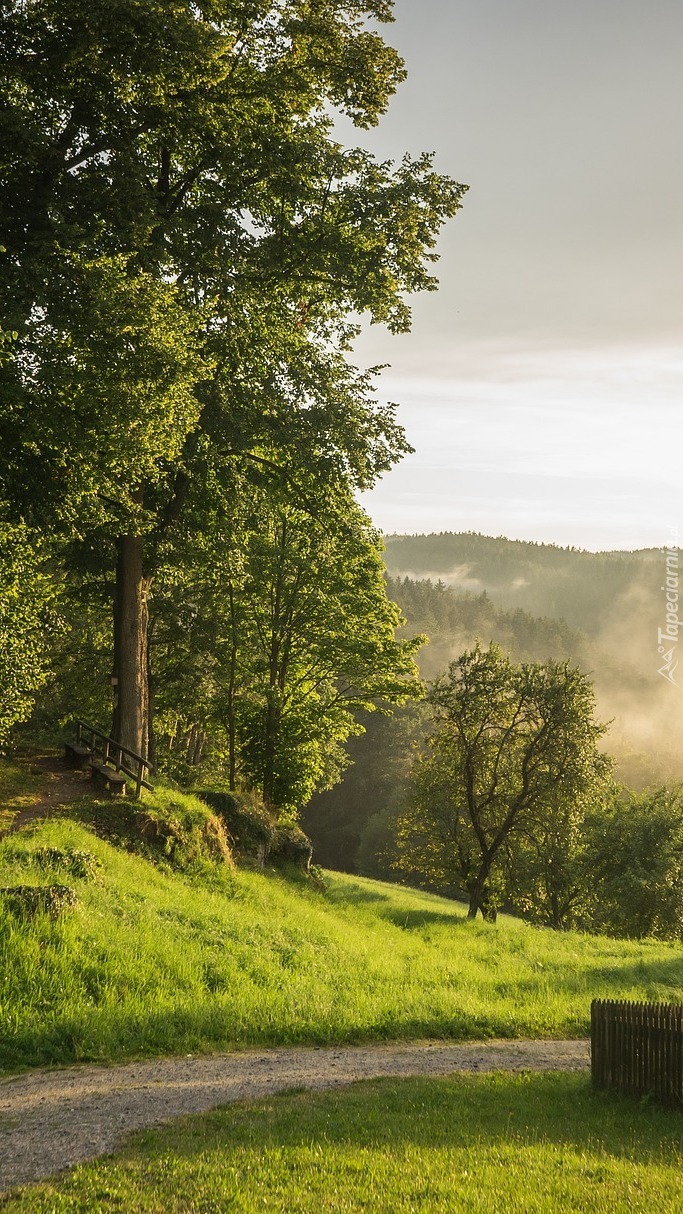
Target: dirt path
{"x":50,"y":1119}
{"x":62,"y":786}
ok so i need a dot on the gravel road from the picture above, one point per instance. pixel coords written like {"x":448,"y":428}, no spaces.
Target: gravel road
{"x":51,"y":1119}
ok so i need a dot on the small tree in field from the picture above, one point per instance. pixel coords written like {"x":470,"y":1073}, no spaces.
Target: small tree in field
{"x":512,"y":749}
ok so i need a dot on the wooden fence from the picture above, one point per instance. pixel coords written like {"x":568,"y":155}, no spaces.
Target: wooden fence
{"x":638,"y":1048}
{"x":117,"y":761}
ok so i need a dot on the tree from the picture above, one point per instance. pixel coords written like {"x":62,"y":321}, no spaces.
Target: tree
{"x":27,"y":618}
{"x":352,"y":825}
{"x":632,"y":866}
{"x":274,"y":631}
{"x":544,"y":864}
{"x":186,"y":150}
{"x":512,"y":746}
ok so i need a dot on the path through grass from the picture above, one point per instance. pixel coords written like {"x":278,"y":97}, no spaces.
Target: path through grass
{"x":530,"y":1144}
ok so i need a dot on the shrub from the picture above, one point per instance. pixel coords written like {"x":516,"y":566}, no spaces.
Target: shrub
{"x":25,"y":901}
{"x":74,"y":861}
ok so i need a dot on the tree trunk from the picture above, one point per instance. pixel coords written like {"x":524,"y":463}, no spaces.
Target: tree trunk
{"x":480,"y":896}
{"x":151,"y":738}
{"x":198,"y":747}
{"x":131,"y":710}
{"x":232,"y":681}
{"x":271,"y":731}
{"x":191,"y":743}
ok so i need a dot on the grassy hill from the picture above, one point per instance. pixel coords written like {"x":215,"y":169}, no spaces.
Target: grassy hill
{"x":170,"y":949}
{"x":155,"y":959}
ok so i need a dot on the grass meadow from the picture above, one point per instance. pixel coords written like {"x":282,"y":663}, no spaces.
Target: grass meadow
{"x":176,"y":951}
{"x":493,"y":1144}
{"x":156,"y":961}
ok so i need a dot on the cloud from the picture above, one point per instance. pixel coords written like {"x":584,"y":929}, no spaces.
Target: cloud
{"x":566,"y":445}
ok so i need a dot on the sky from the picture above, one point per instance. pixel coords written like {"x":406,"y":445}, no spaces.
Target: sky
{"x":541,"y":386}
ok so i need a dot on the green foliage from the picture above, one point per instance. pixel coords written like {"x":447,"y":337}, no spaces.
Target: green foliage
{"x":272,"y":629}
{"x":513,"y":754}
{"x":615,"y":867}
{"x":158,"y":960}
{"x":104,"y":396}
{"x":485,"y":1144}
{"x":187,"y":171}
{"x":352,"y":824}
{"x":28,"y":619}
{"x":632,"y":866}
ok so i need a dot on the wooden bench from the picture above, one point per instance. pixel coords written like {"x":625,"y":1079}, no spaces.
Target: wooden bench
{"x":114,"y":781}
{"x":76,"y":754}
{"x":111,"y":763}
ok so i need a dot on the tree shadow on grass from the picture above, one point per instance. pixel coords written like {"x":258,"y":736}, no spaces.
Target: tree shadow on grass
{"x":404,"y":1141}
{"x":413,"y":920}
{"x":601,"y":979}
{"x":385,"y":906}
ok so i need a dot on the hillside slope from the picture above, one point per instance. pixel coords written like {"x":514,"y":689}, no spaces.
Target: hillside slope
{"x":153,"y":961}
{"x":601,"y":610}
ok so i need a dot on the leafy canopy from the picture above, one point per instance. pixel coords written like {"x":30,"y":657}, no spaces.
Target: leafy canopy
{"x":512,"y":746}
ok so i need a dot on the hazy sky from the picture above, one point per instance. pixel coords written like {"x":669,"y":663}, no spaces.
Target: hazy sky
{"x":542,"y":385}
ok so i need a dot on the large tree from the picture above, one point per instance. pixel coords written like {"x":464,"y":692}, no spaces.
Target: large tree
{"x":271,"y":630}
{"x":180,"y":155}
{"x":512,"y":745}
{"x":632,"y":865}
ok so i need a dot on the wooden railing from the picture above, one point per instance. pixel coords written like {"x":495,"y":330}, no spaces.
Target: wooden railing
{"x":638,"y":1048}
{"x":114,"y":754}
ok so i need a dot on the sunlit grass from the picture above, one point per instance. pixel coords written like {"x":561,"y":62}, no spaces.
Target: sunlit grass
{"x":153,"y":962}
{"x":495,"y":1144}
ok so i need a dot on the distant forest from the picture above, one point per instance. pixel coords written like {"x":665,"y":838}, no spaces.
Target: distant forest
{"x":538,"y":601}
{"x":599,"y":593}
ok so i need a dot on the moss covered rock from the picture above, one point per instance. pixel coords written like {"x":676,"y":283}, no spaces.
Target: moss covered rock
{"x":251,"y":828}
{"x":167,"y":825}
{"x":292,"y":846}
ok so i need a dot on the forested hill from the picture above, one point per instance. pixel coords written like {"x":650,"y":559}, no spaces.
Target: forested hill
{"x":453,"y":620}
{"x":350,"y":825}
{"x":612,"y":593}
{"x":637,"y":702}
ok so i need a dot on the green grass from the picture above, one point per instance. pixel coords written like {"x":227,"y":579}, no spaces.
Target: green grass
{"x":497,"y":1144}
{"x":155,"y":961}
